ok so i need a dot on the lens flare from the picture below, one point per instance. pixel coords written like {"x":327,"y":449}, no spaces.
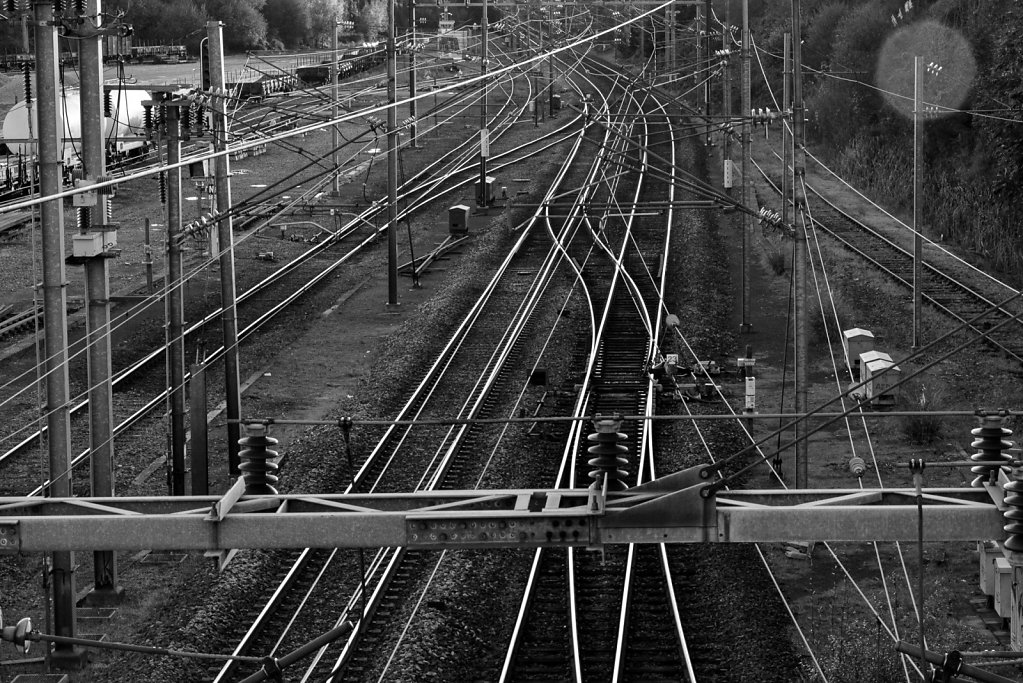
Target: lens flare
{"x":949,"y":67}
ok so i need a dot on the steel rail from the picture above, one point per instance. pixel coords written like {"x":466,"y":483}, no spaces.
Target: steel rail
{"x":423,"y":198}
{"x":646,"y":459}
{"x":443,"y":362}
{"x":582,"y":401}
{"x":380,"y":560}
{"x":245,"y":333}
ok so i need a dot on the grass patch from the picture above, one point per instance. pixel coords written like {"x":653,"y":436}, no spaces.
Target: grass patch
{"x":922,"y":429}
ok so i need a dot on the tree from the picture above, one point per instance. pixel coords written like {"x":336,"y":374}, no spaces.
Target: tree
{"x":246,"y":27}
{"x":287,"y":21}
{"x":372,"y":20}
{"x":322,"y":14}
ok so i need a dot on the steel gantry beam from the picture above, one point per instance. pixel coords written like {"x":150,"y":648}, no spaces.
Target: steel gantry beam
{"x":672,"y":509}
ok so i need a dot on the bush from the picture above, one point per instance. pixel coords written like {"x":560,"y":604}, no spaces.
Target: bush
{"x":776,"y":260}
{"x":921,"y":429}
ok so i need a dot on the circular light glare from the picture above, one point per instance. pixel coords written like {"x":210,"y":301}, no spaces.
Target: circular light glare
{"x":949,"y":67}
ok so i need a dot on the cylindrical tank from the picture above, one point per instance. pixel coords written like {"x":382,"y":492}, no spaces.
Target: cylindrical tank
{"x":126,"y":105}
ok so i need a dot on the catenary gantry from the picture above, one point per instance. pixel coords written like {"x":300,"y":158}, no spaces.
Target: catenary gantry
{"x":672,"y":509}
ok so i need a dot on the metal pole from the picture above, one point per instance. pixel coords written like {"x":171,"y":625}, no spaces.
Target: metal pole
{"x":392,"y":164}
{"x":726,"y":95}
{"x":225,"y":235}
{"x":747,"y":224}
{"x":199,"y":452}
{"x":918,"y":178}
{"x":700,"y":23}
{"x":106,"y":588}
{"x":54,"y":309}
{"x":709,"y":52}
{"x":799,"y":267}
{"x":550,"y":71}
{"x":175,"y":305}
{"x":786,"y":101}
{"x":481,"y":198}
{"x":412,"y":107}
{"x":148,"y":255}
{"x":334,"y":96}
{"x":916,"y":466}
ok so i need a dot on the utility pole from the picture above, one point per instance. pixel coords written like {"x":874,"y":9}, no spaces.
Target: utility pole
{"x":412,"y":106}
{"x":707,"y":12}
{"x":700,"y":30}
{"x":786,"y":137}
{"x":918,"y":177}
{"x":225,"y":237}
{"x":392,"y":165}
{"x":550,"y":67}
{"x":481,"y":199}
{"x":747,"y":224}
{"x":175,"y":305}
{"x":799,"y":267}
{"x":334,"y":96}
{"x":58,"y":425}
{"x":97,"y":283}
{"x":726,"y":94}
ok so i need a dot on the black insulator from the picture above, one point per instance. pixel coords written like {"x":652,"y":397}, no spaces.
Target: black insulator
{"x":256,"y":468}
{"x":28,"y":83}
{"x":990,"y":444}
{"x":200,"y":120}
{"x":163,"y":188}
{"x":80,"y":7}
{"x":11,"y":6}
{"x":186,"y":123}
{"x":608,"y":453}
{"x":58,"y":7}
{"x":107,"y":104}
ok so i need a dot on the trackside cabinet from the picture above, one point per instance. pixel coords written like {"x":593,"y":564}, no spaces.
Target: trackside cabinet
{"x":458,"y":219}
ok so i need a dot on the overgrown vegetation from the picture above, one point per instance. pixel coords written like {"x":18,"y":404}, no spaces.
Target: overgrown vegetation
{"x":852,"y":645}
{"x":858,"y":61}
{"x":925,"y":428}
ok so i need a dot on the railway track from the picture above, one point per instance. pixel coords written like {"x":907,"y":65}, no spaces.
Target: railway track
{"x":448,"y":172}
{"x":947,"y":285}
{"x":587,"y":617}
{"x":444,"y":454}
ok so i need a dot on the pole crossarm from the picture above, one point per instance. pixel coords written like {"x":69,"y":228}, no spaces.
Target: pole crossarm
{"x":672,"y":509}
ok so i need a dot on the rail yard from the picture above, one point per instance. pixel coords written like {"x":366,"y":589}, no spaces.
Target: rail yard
{"x":492,"y":351}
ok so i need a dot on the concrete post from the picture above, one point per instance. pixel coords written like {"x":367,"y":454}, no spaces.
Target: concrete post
{"x":175,"y":305}
{"x":225,"y":236}
{"x":392,"y":164}
{"x":58,"y":425}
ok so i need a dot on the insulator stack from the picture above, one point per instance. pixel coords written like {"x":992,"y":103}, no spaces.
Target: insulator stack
{"x":857,"y":466}
{"x":1014,"y":510}
{"x":107,"y":105}
{"x":256,"y":468}
{"x":58,"y":7}
{"x":609,"y":453}
{"x":27,"y":70}
{"x":83,"y":219}
{"x":11,"y":6}
{"x":163,"y":188}
{"x":80,"y":7}
{"x":990,"y":442}
{"x":147,"y":120}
